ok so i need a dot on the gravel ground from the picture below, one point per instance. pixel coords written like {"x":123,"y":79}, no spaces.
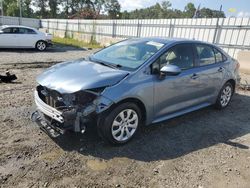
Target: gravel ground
{"x":53,"y":54}
{"x":206,"y":148}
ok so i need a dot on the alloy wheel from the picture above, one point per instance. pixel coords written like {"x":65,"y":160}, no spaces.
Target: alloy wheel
{"x":41,"y":46}
{"x":226,"y":96}
{"x":125,"y":125}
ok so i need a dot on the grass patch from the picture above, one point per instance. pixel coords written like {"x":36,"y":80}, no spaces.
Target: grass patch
{"x":75,"y":43}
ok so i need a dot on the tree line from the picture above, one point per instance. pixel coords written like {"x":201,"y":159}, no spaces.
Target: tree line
{"x":101,"y":9}
{"x":165,"y":10}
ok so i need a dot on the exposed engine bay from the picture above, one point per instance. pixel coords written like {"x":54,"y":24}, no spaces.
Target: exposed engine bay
{"x":58,"y":112}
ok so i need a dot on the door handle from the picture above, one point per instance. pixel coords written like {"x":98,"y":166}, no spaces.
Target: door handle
{"x":220,"y":69}
{"x":194,"y":76}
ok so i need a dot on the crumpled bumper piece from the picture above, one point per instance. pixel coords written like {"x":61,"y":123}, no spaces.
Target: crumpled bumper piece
{"x":48,"y":110}
{"x":51,"y":129}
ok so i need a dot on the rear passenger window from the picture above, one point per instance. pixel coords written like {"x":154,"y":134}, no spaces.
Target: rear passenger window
{"x":15,"y":30}
{"x":219,"y":56}
{"x":22,"y":31}
{"x":26,"y":31}
{"x":205,"y":54}
{"x":30,"y":31}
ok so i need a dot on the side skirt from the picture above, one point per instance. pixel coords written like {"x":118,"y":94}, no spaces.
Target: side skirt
{"x":181,"y":112}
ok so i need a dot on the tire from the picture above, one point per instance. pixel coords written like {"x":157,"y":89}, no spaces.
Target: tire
{"x":225,"y":96}
{"x":41,"y":45}
{"x":117,"y":130}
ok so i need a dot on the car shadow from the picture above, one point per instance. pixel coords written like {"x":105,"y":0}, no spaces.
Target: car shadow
{"x":53,"y":49}
{"x":173,"y":138}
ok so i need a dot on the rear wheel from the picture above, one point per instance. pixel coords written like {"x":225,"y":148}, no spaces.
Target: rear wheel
{"x":224,"y":96}
{"x":41,"y":45}
{"x":121,"y":124}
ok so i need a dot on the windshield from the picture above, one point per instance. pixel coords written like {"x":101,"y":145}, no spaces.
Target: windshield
{"x":129,"y":54}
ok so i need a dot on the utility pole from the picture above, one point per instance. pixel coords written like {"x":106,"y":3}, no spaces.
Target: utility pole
{"x":221,"y":8}
{"x":1,"y":7}
{"x":1,"y":3}
{"x":20,"y":12}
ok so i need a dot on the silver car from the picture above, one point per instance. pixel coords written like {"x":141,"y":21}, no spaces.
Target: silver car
{"x":134,"y":83}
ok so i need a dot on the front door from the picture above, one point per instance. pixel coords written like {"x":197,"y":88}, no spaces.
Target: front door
{"x":175,"y":93}
{"x":9,"y":37}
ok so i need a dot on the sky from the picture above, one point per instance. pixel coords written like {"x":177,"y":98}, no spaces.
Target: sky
{"x":242,"y":7}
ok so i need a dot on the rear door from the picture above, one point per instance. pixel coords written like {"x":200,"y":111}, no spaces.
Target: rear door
{"x":27,"y":37}
{"x":211,"y":70}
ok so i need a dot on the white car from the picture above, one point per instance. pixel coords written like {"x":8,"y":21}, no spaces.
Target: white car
{"x":16,"y":36}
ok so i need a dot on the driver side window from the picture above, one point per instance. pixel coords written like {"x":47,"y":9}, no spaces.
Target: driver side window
{"x":180,"y":55}
{"x":7,"y":30}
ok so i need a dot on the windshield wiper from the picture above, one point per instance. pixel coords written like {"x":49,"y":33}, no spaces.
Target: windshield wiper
{"x":118,"y":65}
{"x":114,"y":66}
{"x":106,"y":64}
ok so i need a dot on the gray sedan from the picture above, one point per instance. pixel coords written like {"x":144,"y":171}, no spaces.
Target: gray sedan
{"x":134,"y":83}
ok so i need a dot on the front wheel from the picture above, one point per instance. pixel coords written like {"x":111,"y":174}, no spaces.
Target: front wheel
{"x":224,"y":96}
{"x":121,"y":124}
{"x":41,"y":45}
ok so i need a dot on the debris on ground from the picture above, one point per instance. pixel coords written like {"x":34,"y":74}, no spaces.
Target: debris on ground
{"x":245,"y":82}
{"x":7,"y":78}
{"x":245,"y":85}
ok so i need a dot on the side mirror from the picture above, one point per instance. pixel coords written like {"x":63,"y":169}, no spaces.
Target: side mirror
{"x":170,"y":70}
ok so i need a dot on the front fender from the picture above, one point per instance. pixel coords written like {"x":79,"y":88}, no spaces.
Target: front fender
{"x":140,"y":87}
{"x":102,"y":103}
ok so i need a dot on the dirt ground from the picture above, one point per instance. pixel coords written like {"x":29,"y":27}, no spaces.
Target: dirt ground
{"x":206,"y":148}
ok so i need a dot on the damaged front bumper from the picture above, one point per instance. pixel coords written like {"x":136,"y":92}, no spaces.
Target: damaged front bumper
{"x":57,"y":120}
{"x":52,"y":129}
{"x":48,"y":110}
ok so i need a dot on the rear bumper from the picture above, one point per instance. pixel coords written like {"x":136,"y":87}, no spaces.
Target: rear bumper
{"x":49,"y":43}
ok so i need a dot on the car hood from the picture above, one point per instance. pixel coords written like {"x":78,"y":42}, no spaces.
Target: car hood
{"x":70,"y":77}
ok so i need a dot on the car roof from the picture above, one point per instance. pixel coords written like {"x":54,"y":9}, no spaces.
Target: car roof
{"x":169,"y":41}
{"x":19,"y":26}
